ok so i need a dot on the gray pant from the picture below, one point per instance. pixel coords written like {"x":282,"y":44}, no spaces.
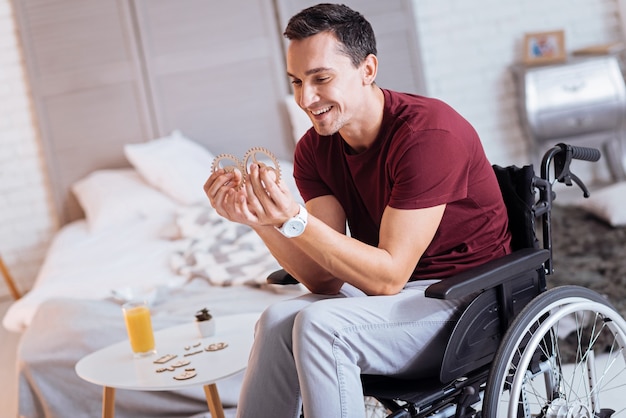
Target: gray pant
{"x":312,"y":349}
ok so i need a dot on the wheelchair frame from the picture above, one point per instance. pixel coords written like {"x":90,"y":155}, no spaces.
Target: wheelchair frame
{"x":506,"y":342}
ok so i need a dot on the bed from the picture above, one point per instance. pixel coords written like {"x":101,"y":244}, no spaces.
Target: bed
{"x":148,"y":232}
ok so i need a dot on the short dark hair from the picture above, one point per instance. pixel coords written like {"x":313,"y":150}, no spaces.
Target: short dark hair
{"x":350,"y":28}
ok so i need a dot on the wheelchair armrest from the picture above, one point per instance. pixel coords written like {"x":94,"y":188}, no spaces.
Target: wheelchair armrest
{"x":281,"y":277}
{"x":480,"y":278}
{"x":488,"y":275}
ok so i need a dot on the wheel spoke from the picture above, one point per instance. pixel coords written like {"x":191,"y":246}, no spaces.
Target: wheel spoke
{"x":553,"y":375}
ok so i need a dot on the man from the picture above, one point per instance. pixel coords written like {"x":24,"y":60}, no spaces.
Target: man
{"x":409,"y":177}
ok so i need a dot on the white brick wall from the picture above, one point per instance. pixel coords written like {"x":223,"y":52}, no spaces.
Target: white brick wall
{"x":27,"y":221}
{"x":468,"y":47}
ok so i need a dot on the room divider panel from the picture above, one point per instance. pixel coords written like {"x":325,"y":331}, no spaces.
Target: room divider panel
{"x":104,"y":73}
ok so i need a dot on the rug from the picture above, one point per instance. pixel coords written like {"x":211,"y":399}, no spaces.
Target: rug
{"x":589,"y":252}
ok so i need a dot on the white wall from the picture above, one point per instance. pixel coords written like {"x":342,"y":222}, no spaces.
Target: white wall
{"x":467,"y":47}
{"x":26,"y":218}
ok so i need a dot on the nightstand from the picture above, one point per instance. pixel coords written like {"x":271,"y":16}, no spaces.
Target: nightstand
{"x":581,"y":101}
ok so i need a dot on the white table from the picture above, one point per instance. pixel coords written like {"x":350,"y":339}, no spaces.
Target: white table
{"x":114,"y":367}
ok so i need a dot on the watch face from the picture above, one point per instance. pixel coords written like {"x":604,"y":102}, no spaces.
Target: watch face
{"x":294,"y":227}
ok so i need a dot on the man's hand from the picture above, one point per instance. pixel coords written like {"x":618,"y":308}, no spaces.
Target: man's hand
{"x":228,"y":197}
{"x":271,"y":202}
{"x":261,"y":202}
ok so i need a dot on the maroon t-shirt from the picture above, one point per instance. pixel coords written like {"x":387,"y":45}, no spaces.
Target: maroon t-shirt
{"x":425,"y":155}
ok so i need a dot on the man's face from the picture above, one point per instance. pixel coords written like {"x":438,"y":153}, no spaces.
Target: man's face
{"x":326,"y":84}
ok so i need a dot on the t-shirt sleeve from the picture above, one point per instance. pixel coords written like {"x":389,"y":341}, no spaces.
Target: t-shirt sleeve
{"x":429,"y":170}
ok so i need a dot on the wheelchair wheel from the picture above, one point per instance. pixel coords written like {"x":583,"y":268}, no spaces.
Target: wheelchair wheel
{"x":563,"y":356}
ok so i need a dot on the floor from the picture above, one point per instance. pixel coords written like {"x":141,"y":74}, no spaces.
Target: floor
{"x":8,"y":345}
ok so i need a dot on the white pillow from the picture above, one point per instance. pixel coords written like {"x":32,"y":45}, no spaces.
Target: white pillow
{"x":608,"y":203}
{"x":173,"y":164}
{"x":113,"y":197}
{"x":300,"y":122}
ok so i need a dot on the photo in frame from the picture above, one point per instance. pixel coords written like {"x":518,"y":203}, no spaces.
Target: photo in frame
{"x":544,"y":47}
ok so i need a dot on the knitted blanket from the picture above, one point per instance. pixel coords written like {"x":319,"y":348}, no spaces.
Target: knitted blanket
{"x":219,"y":251}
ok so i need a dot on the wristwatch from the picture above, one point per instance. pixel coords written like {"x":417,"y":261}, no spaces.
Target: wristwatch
{"x":294,"y":227}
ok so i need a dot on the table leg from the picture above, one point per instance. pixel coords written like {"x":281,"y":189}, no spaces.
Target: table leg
{"x":108,"y":402}
{"x":213,"y":400}
{"x":9,"y":280}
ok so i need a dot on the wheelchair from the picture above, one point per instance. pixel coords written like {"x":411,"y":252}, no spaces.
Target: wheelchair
{"x":520,"y":349}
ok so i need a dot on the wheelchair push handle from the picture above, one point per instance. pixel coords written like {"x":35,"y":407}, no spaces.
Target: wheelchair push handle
{"x":585,"y":153}
{"x":562,"y":155}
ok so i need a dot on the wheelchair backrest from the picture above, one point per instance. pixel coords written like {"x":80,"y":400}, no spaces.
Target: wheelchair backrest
{"x":518,"y":192}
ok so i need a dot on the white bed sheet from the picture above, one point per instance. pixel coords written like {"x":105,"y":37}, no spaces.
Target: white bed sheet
{"x":84,"y":265}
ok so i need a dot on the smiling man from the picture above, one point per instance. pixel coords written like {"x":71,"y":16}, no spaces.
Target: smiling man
{"x":409,"y":177}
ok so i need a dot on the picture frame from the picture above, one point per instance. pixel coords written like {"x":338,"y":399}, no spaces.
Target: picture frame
{"x":544,"y":47}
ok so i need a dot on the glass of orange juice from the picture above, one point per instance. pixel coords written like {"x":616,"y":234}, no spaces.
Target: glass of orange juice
{"x":139,"y":328}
